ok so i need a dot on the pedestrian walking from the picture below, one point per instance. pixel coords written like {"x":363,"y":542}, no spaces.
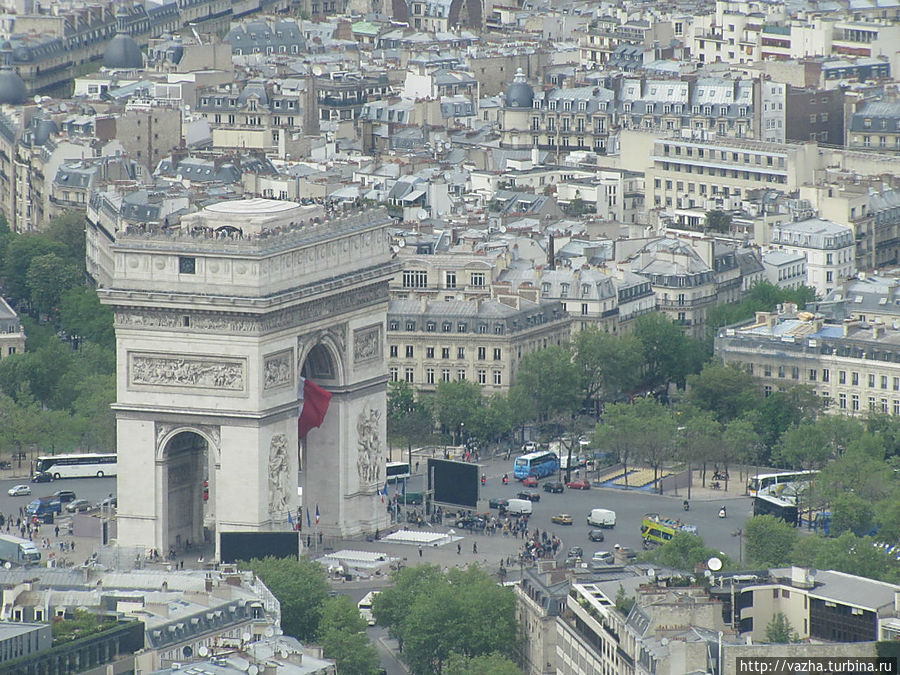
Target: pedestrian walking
{"x":474,"y":547}
{"x":420,"y":550}
{"x":459,"y":549}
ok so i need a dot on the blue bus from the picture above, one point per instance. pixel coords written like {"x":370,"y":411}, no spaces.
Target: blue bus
{"x":537,"y":464}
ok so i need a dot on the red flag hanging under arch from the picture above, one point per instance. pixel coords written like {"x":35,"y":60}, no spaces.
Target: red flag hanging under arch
{"x":313,"y":405}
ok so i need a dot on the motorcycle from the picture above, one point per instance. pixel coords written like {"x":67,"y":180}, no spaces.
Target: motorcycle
{"x":483,"y":480}
{"x":686,"y":506}
{"x":722,"y":513}
{"x":506,"y":480}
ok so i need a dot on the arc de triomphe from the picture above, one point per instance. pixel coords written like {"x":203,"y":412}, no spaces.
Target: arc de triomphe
{"x":216,"y":322}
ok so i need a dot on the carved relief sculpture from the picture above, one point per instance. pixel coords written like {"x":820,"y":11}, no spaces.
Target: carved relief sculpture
{"x":367,"y":343}
{"x":278,"y":474}
{"x":277,"y":370}
{"x":369,"y":457}
{"x":198,"y":373}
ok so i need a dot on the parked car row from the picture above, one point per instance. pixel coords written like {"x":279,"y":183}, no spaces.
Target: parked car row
{"x":59,"y":500}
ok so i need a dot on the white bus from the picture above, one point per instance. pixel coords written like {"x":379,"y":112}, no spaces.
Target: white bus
{"x":86,"y":465}
{"x":765,"y":481}
{"x":365,"y":607}
{"x":396,"y":471}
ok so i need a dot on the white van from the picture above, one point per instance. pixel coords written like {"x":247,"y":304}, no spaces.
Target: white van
{"x":365,"y":607}
{"x":519,"y":507}
{"x":601,"y":518}
{"x":564,"y":461}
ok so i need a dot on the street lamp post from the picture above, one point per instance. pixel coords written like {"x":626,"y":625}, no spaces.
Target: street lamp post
{"x":739,"y":533}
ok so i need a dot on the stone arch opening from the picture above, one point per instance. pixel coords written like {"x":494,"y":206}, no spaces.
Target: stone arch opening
{"x":321,"y":366}
{"x":188,"y":482}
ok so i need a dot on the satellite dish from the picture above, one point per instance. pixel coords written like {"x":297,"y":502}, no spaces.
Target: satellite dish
{"x":401,"y":242}
{"x":246,"y":637}
{"x":253,"y":669}
{"x":503,"y":228}
{"x":395,"y":249}
{"x":269,"y":632}
{"x":651,"y":573}
{"x":421,"y":214}
{"x":8,"y":565}
{"x":317,"y":70}
{"x":37,"y":99}
{"x":714,"y":563}
{"x":203,"y":651}
{"x":284,"y":653}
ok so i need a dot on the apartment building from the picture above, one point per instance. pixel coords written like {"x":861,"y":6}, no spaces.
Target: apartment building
{"x":668,"y":631}
{"x":604,"y":35}
{"x":867,"y":298}
{"x":823,"y":606}
{"x":560,"y":120}
{"x":616,"y":194}
{"x":688,"y":278}
{"x":720,"y":106}
{"x":853,"y":366}
{"x":716,"y":173}
{"x":784,"y":269}
{"x":446,"y":276}
{"x":589,"y":295}
{"x":813,"y":114}
{"x":828,"y":248}
{"x":876,"y":126}
{"x":870,"y":207}
{"x":12,"y":335}
{"x":482,"y":341}
{"x":540,"y":599}
{"x":254,"y":116}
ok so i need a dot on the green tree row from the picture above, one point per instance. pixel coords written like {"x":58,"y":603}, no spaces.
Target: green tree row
{"x":455,"y":623}
{"x":458,"y":622}
{"x":56,"y":395}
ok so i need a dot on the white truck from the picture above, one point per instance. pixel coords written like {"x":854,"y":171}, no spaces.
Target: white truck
{"x":18,"y":551}
{"x":601,"y":518}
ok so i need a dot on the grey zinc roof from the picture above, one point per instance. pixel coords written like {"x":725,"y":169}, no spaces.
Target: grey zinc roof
{"x":848,"y":589}
{"x":813,"y":233}
{"x":778,"y":258}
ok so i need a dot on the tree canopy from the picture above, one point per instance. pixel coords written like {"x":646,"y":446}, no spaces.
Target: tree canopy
{"x":59,"y":391}
{"x":444,"y":619}
{"x":546,"y":383}
{"x":301,"y":588}
{"x":769,"y":541}
{"x":343,"y":638}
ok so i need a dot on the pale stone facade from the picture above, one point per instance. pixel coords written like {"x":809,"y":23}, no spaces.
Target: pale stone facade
{"x":12,"y":336}
{"x":213,"y":333}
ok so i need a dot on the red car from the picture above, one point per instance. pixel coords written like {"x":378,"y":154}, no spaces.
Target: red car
{"x":530,"y":481}
{"x":579,"y":484}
